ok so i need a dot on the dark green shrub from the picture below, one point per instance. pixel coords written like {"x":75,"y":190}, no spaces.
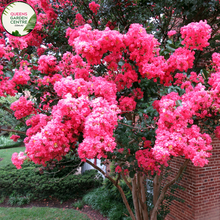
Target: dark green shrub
{"x":68,"y":164}
{"x":114,"y":193}
{"x":108,"y":201}
{"x":29,"y":180}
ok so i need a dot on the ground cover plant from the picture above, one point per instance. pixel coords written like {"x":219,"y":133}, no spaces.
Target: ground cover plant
{"x":125,"y":81}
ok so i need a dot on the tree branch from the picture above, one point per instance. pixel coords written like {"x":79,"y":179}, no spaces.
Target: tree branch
{"x":119,"y":188}
{"x":12,"y":130}
{"x":70,"y":172}
{"x":126,"y":181}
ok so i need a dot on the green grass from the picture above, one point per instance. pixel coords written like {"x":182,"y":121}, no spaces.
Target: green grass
{"x":6,"y":155}
{"x":45,"y":213}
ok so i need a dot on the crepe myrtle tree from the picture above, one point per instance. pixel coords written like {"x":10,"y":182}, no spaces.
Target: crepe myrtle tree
{"x":122,"y":86}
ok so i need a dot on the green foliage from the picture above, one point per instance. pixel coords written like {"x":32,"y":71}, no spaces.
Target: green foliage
{"x":68,"y":164}
{"x":108,"y":201}
{"x":114,"y":193}
{"x":16,"y":33}
{"x":31,"y":23}
{"x":19,"y":200}
{"x":7,"y":119}
{"x":2,"y":199}
{"x":79,"y":204}
{"x":29,"y":180}
{"x":4,"y":141}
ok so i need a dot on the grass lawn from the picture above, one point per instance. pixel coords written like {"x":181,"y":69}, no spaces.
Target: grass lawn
{"x":45,"y":213}
{"x":6,"y":155}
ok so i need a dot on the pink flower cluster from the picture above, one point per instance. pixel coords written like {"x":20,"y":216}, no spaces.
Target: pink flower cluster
{"x":47,"y":80}
{"x":105,"y":89}
{"x":7,"y":87}
{"x":98,"y":131}
{"x":79,"y":20}
{"x":75,"y":87}
{"x":147,"y":161}
{"x":23,"y":107}
{"x":18,"y":159}
{"x":74,"y":65}
{"x":15,"y":137}
{"x":138,"y":94}
{"x":93,"y":44}
{"x":48,"y":64}
{"x":196,"y":35}
{"x":37,"y":122}
{"x":17,"y":42}
{"x":118,"y":169}
{"x":127,"y":104}
{"x":52,"y":136}
{"x":216,"y":60}
{"x":174,"y":135}
{"x":171,"y":33}
{"x":217,"y":132}
{"x":127,"y":79}
{"x":182,"y":59}
{"x":21,"y":76}
{"x":94,"y":7}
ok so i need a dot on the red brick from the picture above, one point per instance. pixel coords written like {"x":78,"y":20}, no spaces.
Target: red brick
{"x":202,"y":190}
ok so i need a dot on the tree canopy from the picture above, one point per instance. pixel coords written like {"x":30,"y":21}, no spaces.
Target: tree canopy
{"x":133,"y":82}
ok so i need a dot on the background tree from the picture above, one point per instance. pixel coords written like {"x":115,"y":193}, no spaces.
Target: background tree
{"x":118,"y":93}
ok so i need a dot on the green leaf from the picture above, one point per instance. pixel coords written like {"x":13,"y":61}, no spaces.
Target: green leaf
{"x":16,"y":33}
{"x":31,"y":23}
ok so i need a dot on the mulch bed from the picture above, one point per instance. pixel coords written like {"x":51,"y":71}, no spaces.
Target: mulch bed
{"x":54,"y":203}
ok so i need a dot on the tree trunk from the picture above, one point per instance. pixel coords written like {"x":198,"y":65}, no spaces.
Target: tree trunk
{"x":135,"y":198}
{"x":142,"y":183}
{"x":165,"y":188}
{"x":156,"y":189}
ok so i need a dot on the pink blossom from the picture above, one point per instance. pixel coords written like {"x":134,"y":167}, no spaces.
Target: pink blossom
{"x":47,"y":64}
{"x":196,"y":35}
{"x":21,"y":76}
{"x":15,"y":137}
{"x":94,"y":7}
{"x":171,"y":33}
{"x":23,"y":107}
{"x":118,"y":169}
{"x":18,"y":159}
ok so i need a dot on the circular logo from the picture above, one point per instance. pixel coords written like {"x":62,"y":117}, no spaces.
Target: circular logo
{"x":19,"y":18}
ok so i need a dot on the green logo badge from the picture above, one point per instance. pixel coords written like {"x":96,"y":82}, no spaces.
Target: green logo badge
{"x":18,"y":18}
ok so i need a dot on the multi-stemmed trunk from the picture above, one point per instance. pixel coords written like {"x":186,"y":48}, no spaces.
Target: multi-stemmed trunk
{"x":138,"y":188}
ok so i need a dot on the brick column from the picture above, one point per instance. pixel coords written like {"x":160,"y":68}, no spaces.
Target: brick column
{"x":202,"y":190}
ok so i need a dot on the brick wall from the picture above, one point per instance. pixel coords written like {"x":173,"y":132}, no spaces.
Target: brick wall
{"x":202,"y":190}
